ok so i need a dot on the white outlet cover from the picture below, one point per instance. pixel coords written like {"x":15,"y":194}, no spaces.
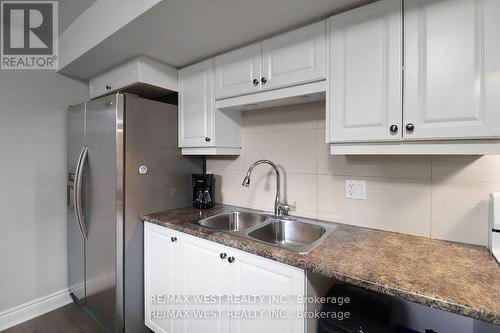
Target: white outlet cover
{"x":355,"y":189}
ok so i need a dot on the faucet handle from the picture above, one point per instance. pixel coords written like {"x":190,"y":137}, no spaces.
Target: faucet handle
{"x":283,"y":208}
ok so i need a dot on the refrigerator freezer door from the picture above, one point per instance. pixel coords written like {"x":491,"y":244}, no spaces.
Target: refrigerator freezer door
{"x":76,"y":245}
{"x":104,"y":210}
{"x":151,"y":136}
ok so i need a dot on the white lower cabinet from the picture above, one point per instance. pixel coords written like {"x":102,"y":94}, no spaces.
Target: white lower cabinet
{"x":191,"y":266}
{"x":161,"y":274}
{"x":201,"y":273}
{"x":255,"y":275}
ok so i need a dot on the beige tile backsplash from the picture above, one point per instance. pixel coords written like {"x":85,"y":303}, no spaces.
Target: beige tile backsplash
{"x":444,"y":197}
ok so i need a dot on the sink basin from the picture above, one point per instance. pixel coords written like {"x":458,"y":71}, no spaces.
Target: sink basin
{"x":232,"y":221}
{"x":293,"y":235}
{"x":288,"y":233}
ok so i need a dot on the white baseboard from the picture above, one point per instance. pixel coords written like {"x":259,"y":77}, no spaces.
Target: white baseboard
{"x":32,"y":309}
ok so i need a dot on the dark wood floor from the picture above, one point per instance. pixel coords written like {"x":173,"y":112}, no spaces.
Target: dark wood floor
{"x":68,"y":319}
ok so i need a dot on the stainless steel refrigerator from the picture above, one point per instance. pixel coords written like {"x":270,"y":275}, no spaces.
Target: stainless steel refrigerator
{"x":123,"y":160}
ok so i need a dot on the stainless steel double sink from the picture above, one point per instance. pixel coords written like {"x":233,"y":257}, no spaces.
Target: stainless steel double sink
{"x":296,"y":235}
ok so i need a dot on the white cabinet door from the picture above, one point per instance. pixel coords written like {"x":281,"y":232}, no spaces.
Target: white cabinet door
{"x":238,"y":72}
{"x":202,"y":274}
{"x":193,"y":267}
{"x":296,"y":57}
{"x":280,"y":284}
{"x":196,"y":105}
{"x":365,"y":73}
{"x":452,"y":81}
{"x":161,"y":275}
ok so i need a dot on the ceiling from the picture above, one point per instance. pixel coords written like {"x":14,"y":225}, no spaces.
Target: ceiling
{"x":69,"y":10}
{"x":181,"y":32}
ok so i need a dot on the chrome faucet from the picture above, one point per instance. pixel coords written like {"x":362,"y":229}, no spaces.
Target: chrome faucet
{"x":280,"y":206}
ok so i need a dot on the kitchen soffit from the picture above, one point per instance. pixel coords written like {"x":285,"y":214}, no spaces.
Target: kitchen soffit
{"x":182,"y":32}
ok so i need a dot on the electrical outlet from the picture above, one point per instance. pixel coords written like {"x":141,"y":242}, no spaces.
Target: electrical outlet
{"x":355,"y":189}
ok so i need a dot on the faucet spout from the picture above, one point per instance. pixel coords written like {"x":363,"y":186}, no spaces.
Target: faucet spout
{"x":280,"y":206}
{"x":246,"y":181}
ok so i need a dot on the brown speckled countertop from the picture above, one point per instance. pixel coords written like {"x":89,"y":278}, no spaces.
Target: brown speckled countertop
{"x":449,"y":276}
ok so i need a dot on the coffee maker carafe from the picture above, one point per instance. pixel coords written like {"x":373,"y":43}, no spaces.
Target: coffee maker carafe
{"x":203,"y":190}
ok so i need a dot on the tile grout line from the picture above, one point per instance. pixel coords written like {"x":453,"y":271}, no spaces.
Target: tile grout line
{"x":432,"y":190}
{"x":320,"y":126}
{"x":317,"y":172}
{"x":340,"y":175}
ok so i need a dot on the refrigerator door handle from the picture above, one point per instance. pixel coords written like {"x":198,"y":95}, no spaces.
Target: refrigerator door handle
{"x":77,"y":193}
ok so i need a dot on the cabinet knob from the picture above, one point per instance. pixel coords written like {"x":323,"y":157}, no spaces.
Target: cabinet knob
{"x":173,"y":239}
{"x":410,"y":127}
{"x":207,"y":139}
{"x":230,"y":259}
{"x":223,"y":256}
{"x":263,"y":80}
{"x":393,"y":129}
{"x":255,"y":82}
{"x":108,"y":87}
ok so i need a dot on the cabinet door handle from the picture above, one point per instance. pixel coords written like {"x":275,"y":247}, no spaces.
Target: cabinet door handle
{"x":173,"y":239}
{"x":255,"y":82}
{"x":230,"y":259}
{"x":223,"y":256}
{"x":393,"y":129}
{"x":207,"y":139}
{"x":108,"y":87}
{"x":263,"y":80}
{"x":410,"y":127}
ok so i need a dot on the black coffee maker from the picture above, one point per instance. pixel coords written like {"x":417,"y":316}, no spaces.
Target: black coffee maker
{"x":203,"y":189}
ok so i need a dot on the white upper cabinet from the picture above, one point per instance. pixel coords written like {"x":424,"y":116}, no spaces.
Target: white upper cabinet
{"x":365,"y":102}
{"x":203,"y":129}
{"x":196,"y":105}
{"x":295,"y":57}
{"x":141,"y":70}
{"x":289,"y":59}
{"x":452,"y":69}
{"x":238,"y":72}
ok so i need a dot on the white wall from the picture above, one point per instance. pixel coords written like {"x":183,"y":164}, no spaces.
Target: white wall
{"x":32,"y":183}
{"x":444,"y":197}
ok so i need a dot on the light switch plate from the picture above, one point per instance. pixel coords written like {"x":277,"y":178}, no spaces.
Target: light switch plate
{"x":355,"y":189}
